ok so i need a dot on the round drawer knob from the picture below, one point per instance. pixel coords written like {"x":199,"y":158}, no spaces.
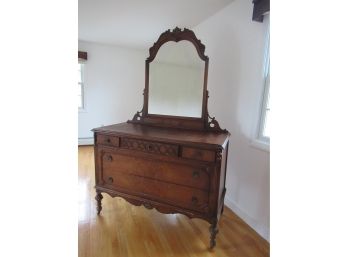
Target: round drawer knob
{"x":110,"y":158}
{"x":110,"y":180}
{"x":194,"y":200}
{"x":108,"y":140}
{"x":195,"y":174}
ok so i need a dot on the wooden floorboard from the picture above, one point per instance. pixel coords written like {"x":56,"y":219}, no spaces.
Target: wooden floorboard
{"x":124,"y":230}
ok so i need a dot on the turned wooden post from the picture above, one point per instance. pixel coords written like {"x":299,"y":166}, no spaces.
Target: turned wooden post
{"x":213,"y":231}
{"x":99,"y":198}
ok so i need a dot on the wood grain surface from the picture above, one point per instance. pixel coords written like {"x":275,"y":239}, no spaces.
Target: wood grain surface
{"x":125,"y":230}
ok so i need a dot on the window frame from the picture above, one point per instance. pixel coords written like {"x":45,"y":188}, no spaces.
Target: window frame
{"x":265,"y":103}
{"x":260,"y":141}
{"x":82,"y":83}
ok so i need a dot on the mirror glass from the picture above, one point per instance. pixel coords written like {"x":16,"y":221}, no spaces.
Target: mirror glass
{"x":176,"y":80}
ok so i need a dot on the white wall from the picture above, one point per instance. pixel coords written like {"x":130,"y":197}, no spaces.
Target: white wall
{"x":235,"y":46}
{"x":114,"y":82}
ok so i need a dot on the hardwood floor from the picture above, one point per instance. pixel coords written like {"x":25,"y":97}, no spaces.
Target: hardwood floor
{"x":124,"y":230}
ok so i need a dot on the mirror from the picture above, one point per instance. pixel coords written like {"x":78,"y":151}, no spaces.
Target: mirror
{"x":175,"y":93}
{"x":176,"y":81}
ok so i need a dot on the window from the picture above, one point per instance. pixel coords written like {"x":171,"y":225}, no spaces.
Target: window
{"x":264,"y":134}
{"x":80,"y":85}
{"x":264,"y":127}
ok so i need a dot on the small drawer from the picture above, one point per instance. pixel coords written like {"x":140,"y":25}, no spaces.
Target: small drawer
{"x":108,"y":140}
{"x":198,"y":154}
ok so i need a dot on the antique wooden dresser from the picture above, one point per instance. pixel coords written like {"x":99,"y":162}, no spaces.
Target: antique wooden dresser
{"x":172,"y":163}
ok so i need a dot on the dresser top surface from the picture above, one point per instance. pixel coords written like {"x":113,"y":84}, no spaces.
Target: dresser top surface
{"x":166,"y":134}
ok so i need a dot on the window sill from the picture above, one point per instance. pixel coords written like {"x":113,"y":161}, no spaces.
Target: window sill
{"x":262,"y":145}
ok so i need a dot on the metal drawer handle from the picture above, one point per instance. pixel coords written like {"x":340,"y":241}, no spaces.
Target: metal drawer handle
{"x":194,"y":200}
{"x":110,"y":180}
{"x":110,"y":158}
{"x":195,"y":174}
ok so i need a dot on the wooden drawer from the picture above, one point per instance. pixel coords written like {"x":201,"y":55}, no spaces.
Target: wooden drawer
{"x":177,"y":195}
{"x":177,"y":173}
{"x":149,"y":146}
{"x":198,"y":154}
{"x":108,"y":140}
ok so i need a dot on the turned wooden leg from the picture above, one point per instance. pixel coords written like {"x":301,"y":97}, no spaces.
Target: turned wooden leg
{"x":213,"y":231}
{"x":99,"y":198}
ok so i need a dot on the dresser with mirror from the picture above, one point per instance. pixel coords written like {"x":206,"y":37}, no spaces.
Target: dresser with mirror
{"x":172,"y":154}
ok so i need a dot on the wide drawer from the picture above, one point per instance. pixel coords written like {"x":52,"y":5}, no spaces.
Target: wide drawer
{"x":176,"y":195}
{"x":176,"y":173}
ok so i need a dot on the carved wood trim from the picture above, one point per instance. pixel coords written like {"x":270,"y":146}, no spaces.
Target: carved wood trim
{"x":210,"y":123}
{"x":138,"y":116}
{"x":160,"y":207}
{"x":177,"y":35}
{"x":205,"y":122}
{"x":219,"y":154}
{"x":149,"y":146}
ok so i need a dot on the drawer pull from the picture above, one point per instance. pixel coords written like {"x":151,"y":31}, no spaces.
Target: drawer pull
{"x":149,"y":147}
{"x":195,"y":174}
{"x":194,"y":200}
{"x":108,"y":140}
{"x":110,"y":180}
{"x":110,"y":158}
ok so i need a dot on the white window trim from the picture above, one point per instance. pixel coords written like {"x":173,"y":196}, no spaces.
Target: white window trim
{"x":83,"y":108}
{"x":265,"y":99}
{"x":261,"y":142}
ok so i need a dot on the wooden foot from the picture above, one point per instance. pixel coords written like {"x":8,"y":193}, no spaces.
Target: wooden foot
{"x":99,"y":198}
{"x":213,"y":231}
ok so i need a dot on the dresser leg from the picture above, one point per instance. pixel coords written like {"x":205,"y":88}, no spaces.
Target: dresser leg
{"x":99,"y":198}
{"x":213,"y":231}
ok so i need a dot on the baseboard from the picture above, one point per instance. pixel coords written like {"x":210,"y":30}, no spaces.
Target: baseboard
{"x":86,"y":141}
{"x":261,"y":230}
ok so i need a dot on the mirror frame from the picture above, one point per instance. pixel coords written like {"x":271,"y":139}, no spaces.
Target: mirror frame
{"x":205,"y":122}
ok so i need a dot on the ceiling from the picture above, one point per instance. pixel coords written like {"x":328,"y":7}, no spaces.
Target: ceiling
{"x":138,"y":23}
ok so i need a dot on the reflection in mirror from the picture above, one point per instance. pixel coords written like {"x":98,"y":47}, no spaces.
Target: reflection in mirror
{"x":176,"y":80}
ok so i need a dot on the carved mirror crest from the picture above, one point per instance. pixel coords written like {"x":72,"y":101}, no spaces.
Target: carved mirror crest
{"x":175,"y":93}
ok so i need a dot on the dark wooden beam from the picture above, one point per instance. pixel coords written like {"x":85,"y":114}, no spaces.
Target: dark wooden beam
{"x":261,"y":7}
{"x":83,"y":55}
